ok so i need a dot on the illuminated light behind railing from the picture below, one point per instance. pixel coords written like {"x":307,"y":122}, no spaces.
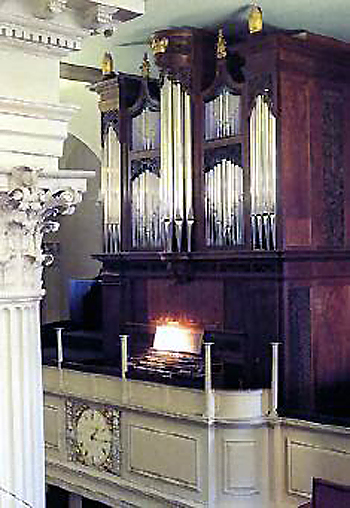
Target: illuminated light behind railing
{"x":176,"y":337}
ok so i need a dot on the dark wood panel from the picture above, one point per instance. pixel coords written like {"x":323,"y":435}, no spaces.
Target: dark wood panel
{"x":200,"y":301}
{"x":295,"y":174}
{"x":346,"y":140}
{"x":262,"y":325}
{"x":113,"y":314}
{"x":316,"y":160}
{"x":333,"y":168}
{"x":299,"y":354}
{"x":331,"y":347}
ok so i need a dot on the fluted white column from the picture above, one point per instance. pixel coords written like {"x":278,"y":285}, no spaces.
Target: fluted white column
{"x":26,"y":213}
{"x":33,"y":126}
{"x":32,"y":132}
{"x":21,"y":422}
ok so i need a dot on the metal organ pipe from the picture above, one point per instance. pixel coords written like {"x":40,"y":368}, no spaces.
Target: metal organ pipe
{"x":170,"y":141}
{"x":110,"y":190}
{"x":147,"y":189}
{"x":222,"y":116}
{"x":263,"y":174}
{"x":224,"y":204}
{"x":104,"y":195}
{"x":224,"y":181}
{"x":176,"y":166}
{"x":178,"y":162}
{"x":188,"y":168}
{"x":170,"y":165}
{"x":164,"y":200}
{"x":230,"y":204}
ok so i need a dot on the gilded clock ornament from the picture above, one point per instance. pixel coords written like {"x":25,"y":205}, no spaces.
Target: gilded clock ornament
{"x":93,"y":435}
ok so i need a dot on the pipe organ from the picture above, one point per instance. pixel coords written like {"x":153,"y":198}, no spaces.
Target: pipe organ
{"x":226,"y":201}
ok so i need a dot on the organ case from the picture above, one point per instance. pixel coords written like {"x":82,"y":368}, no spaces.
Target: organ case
{"x":253,"y":211}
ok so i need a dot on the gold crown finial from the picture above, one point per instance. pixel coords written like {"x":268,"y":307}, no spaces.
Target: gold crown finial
{"x":107,"y":65}
{"x":146,"y":66}
{"x":159,"y":45}
{"x":221,"y":51}
{"x":255,"y":19}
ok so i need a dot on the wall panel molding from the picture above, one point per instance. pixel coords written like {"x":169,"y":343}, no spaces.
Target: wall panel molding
{"x":167,"y":456}
{"x":240,"y":469}
{"x":308,"y":460}
{"x":51,"y":426}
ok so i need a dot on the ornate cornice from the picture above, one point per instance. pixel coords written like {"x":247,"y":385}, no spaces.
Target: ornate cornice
{"x":37,"y":34}
{"x":61,"y":25}
{"x":27,"y":212}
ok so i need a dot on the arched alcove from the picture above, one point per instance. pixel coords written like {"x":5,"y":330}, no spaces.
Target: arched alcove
{"x":79,"y":235}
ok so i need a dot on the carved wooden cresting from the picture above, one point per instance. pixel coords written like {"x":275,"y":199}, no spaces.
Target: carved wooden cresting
{"x":233,"y":202}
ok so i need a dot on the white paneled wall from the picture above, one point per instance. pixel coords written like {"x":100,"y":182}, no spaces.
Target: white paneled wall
{"x":172,"y":454}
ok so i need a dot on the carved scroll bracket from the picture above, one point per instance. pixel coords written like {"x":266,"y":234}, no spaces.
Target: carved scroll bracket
{"x":27,"y":212}
{"x":50,"y":8}
{"x":262,"y":85}
{"x":173,"y":53}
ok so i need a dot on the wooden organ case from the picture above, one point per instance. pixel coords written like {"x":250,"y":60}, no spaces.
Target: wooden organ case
{"x":231,"y":204}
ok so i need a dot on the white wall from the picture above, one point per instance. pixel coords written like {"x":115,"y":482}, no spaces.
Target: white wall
{"x":79,"y":235}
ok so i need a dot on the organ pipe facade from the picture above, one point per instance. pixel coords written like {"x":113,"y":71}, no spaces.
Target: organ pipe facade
{"x":176,"y":161}
{"x":111,"y":190}
{"x":145,"y":173}
{"x":180,"y":171}
{"x":262,"y":130}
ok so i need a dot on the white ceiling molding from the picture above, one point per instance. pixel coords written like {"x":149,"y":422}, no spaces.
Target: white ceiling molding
{"x":59,"y":26}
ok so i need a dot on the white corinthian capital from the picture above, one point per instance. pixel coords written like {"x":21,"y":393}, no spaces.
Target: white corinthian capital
{"x":27,"y":212}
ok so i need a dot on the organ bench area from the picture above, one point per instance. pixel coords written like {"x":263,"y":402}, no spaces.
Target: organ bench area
{"x":225,"y":189}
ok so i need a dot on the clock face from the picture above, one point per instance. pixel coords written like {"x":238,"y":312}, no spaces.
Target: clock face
{"x":93,"y":437}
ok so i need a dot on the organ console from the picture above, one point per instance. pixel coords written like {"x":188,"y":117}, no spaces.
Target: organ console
{"x":175,"y":356}
{"x":226,"y":202}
